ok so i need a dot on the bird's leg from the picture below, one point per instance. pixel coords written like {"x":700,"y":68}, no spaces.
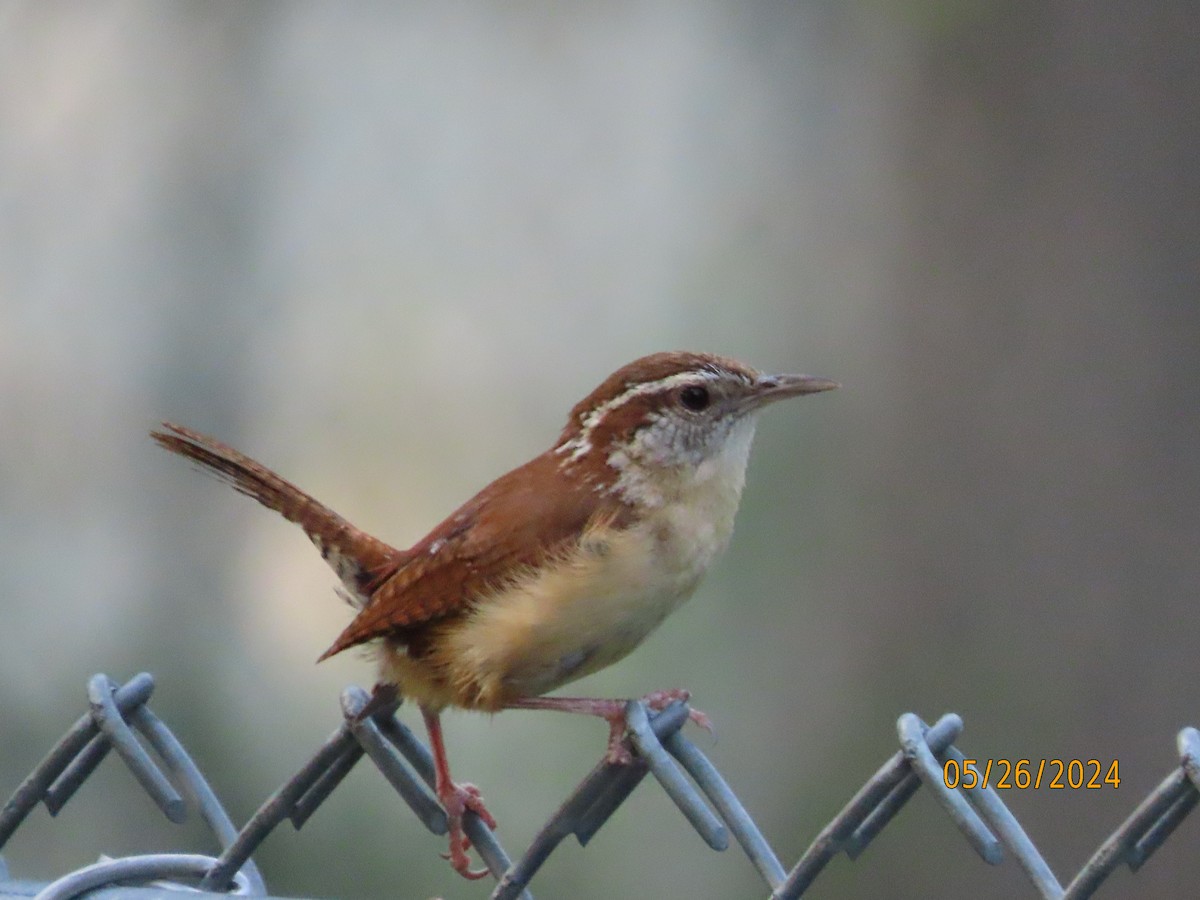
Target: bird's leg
{"x":456,"y":798}
{"x":613,"y":712}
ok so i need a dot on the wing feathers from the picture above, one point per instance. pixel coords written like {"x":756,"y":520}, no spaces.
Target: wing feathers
{"x":517,"y":522}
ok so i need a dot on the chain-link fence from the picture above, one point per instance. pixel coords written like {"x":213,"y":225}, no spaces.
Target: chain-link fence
{"x":965,"y":788}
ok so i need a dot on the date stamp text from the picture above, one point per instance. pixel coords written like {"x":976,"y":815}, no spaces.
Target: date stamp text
{"x":1031,"y":774}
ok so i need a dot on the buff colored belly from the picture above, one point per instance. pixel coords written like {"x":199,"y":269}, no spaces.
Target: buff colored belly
{"x":577,"y":617}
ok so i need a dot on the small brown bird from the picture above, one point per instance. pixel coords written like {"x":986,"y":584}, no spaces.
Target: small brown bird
{"x":555,"y":570}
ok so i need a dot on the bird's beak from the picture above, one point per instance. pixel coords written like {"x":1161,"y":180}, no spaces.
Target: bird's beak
{"x":770,"y":388}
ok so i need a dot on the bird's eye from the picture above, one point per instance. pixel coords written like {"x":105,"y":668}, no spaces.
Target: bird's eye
{"x":695,"y":397}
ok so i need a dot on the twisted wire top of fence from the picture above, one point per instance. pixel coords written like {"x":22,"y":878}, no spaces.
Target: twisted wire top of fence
{"x":965,"y":788}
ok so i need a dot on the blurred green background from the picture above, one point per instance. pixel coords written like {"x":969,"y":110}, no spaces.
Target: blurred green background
{"x":385,"y":247}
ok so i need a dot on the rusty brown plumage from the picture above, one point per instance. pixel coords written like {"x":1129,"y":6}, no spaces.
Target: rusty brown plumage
{"x":516,"y":523}
{"x":402,"y":591}
{"x":555,"y":570}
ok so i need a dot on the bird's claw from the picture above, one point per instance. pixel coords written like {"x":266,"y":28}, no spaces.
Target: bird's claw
{"x":660,"y":700}
{"x":461,"y":863}
{"x":618,"y":753}
{"x":458,"y":800}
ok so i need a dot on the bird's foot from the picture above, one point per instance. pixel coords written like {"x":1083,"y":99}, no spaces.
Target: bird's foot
{"x":660,"y":700}
{"x":459,"y":799}
{"x":618,"y":752}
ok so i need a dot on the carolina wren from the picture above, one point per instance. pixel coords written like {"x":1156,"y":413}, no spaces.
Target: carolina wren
{"x":555,"y":570}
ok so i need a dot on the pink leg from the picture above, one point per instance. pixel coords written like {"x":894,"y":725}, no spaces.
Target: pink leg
{"x":456,"y":798}
{"x":612,"y":711}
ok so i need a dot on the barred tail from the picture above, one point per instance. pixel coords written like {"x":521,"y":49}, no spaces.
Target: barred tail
{"x":353,"y":554}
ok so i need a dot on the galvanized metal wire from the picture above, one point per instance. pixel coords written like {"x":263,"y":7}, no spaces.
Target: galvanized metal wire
{"x":370,"y":729}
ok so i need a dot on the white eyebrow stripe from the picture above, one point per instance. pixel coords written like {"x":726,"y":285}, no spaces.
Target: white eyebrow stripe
{"x":580,"y":444}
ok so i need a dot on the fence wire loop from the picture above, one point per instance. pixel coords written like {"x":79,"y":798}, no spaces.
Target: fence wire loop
{"x":120,"y":720}
{"x":120,"y":737}
{"x":649,"y":748}
{"x":148,"y":868}
{"x":920,"y":757}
